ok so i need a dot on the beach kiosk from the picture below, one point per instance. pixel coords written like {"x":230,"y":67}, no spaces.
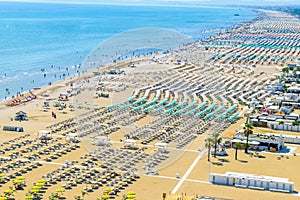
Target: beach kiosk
{"x":21,"y":116}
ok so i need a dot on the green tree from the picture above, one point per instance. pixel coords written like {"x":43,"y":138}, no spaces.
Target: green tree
{"x":295,"y":123}
{"x":247,"y":132}
{"x":216,"y":141}
{"x":281,"y":123}
{"x":208,"y":145}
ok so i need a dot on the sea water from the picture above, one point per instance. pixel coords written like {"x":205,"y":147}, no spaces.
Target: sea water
{"x":43,"y":43}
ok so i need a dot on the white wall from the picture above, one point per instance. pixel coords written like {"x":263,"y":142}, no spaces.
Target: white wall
{"x":222,"y":179}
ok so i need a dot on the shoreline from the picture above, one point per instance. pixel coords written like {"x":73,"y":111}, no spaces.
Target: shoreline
{"x":91,"y":69}
{"x":51,"y":79}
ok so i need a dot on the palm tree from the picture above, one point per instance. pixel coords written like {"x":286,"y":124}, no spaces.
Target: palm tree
{"x":208,"y":145}
{"x":216,"y":141}
{"x":247,"y":132}
{"x":237,"y":146}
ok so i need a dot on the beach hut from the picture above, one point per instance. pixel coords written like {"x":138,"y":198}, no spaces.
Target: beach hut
{"x":21,"y":116}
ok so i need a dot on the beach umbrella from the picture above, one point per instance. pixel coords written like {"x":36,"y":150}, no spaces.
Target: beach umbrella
{"x":42,"y":181}
{"x":39,"y":184}
{"x":130,"y":196}
{"x":36,"y":187}
{"x":29,"y":197}
{"x":108,"y":189}
{"x":105,"y":196}
{"x":17,"y":181}
{"x":3,"y":198}
{"x":20,"y":178}
{"x":60,"y":190}
{"x":1,"y":175}
{"x":33,"y":191}
{"x":9,"y":191}
{"x":131,"y":193}
{"x":96,"y":105}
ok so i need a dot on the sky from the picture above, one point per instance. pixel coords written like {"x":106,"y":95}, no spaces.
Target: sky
{"x":176,"y":2}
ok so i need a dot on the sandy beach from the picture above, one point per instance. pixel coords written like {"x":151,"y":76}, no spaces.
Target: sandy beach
{"x":142,"y":132}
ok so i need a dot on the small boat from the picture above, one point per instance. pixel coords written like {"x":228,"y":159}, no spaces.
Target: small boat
{"x":236,"y":14}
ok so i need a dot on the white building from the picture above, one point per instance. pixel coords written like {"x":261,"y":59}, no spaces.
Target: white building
{"x":252,"y":181}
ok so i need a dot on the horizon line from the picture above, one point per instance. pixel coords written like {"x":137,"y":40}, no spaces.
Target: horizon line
{"x":146,"y":4}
